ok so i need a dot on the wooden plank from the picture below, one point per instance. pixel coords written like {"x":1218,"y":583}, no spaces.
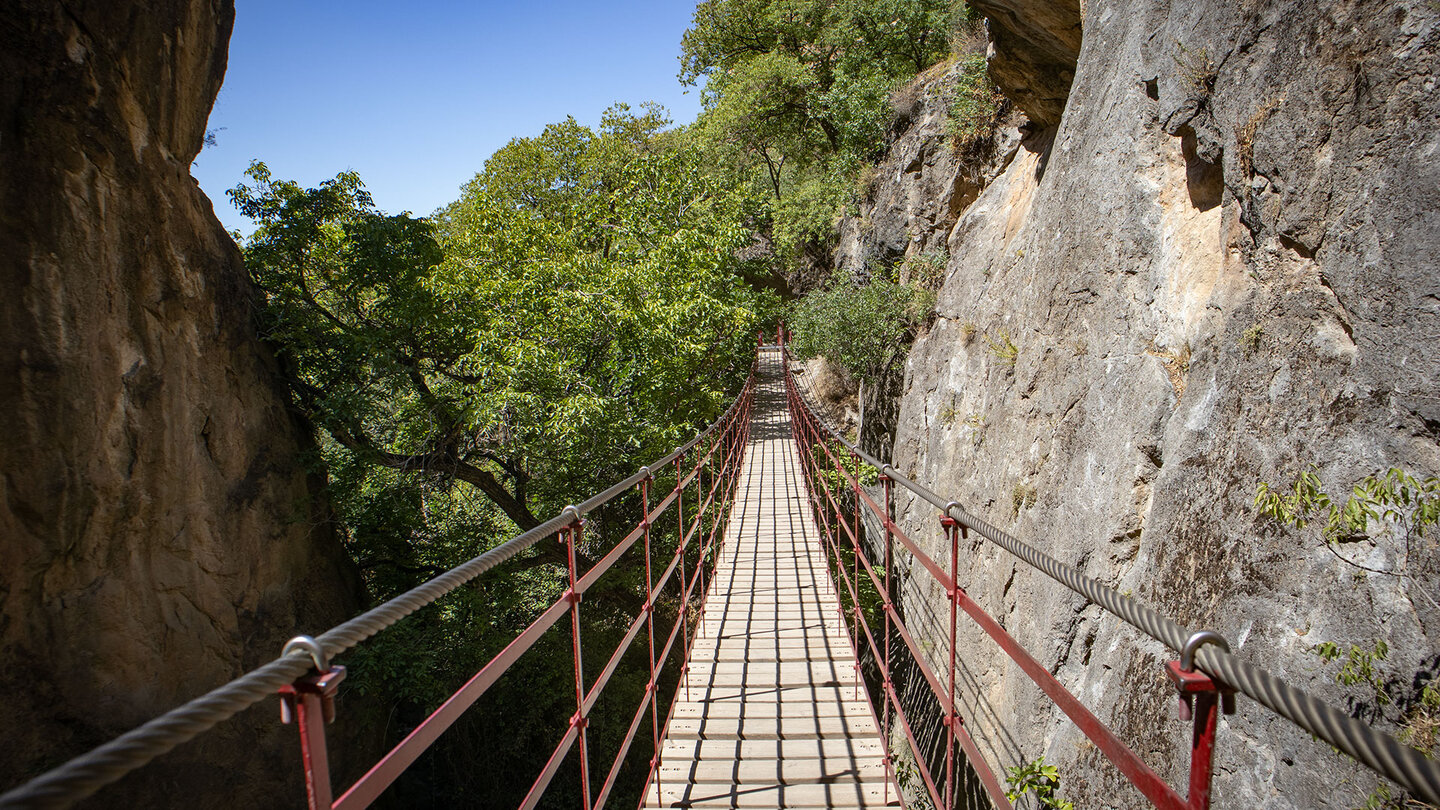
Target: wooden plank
{"x":772,"y":771}
{"x":840,"y":794}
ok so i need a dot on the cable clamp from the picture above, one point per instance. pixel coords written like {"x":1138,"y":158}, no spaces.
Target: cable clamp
{"x":308,"y":645}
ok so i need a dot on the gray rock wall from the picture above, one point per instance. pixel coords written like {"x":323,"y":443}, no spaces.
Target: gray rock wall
{"x":158,"y":531}
{"x":1217,"y":268}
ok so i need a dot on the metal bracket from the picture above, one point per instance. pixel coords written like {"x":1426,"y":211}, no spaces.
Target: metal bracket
{"x":324,"y":684}
{"x":1190,"y":682}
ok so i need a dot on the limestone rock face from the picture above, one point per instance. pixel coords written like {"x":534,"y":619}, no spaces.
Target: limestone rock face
{"x":922,"y":185}
{"x":1217,"y":268}
{"x":158,"y":533}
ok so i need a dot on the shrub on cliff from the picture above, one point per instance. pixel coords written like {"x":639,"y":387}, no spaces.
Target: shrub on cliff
{"x":860,"y":327}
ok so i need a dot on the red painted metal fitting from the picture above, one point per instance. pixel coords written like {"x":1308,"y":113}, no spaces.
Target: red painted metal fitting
{"x":577,"y":721}
{"x":948,"y":522}
{"x":1190,"y":684}
{"x":324,"y":684}
{"x":571,"y":596}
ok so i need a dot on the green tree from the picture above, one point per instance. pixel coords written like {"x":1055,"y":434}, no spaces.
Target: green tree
{"x":576,"y":311}
{"x":796,"y":93}
{"x":575,"y":314}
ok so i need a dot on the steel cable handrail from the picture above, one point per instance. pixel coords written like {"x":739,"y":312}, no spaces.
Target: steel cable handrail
{"x":84,"y":775}
{"x":1376,"y":750}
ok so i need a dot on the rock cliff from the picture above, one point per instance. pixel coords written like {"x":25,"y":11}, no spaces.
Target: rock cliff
{"x":160,"y":534}
{"x":1213,"y":256}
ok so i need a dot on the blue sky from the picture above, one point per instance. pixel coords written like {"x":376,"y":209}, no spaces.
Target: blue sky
{"x":415,"y":96}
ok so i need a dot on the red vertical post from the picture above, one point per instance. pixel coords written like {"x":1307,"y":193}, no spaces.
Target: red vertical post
{"x":680,"y":549}
{"x":571,"y":539}
{"x":855,"y":542}
{"x":702,"y":536}
{"x":1202,"y":748}
{"x":887,"y":483}
{"x":952,"y":719}
{"x":653,"y":686}
{"x":309,"y":716}
{"x":309,"y":702}
{"x":1201,"y":700}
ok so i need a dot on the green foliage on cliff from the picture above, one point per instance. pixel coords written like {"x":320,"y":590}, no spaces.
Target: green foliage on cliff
{"x":975,"y":105}
{"x":796,"y":94}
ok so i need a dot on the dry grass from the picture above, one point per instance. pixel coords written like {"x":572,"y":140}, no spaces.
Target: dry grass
{"x":1177,"y":365}
{"x":1245,"y":134}
{"x":1022,"y":497}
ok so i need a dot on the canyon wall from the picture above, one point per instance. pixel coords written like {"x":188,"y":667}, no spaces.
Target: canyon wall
{"x":1210,"y":262}
{"x":159,"y":533}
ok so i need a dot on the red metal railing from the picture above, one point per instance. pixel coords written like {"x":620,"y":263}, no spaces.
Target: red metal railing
{"x":720,"y":450}
{"x":713,"y":469}
{"x":824,"y":462}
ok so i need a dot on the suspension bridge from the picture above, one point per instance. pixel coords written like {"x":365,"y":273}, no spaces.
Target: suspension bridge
{"x":779,"y":593}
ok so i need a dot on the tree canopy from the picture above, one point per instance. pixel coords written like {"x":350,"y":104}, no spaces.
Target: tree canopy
{"x":575,"y":312}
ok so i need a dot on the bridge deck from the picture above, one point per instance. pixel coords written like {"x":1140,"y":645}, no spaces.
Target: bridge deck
{"x":773,"y":715}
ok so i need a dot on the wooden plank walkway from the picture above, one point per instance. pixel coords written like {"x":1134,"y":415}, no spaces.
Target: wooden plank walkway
{"x":773,"y":715}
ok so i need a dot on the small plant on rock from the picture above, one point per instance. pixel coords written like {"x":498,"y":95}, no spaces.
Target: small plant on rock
{"x":927,"y":270}
{"x":1196,"y":68}
{"x":1038,"y":778}
{"x":1359,"y":666}
{"x":1250,"y":339}
{"x":1003,"y":348}
{"x":949,"y":413}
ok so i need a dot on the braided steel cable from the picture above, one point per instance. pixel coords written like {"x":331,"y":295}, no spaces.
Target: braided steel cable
{"x":89,"y":772}
{"x":1376,"y":750}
